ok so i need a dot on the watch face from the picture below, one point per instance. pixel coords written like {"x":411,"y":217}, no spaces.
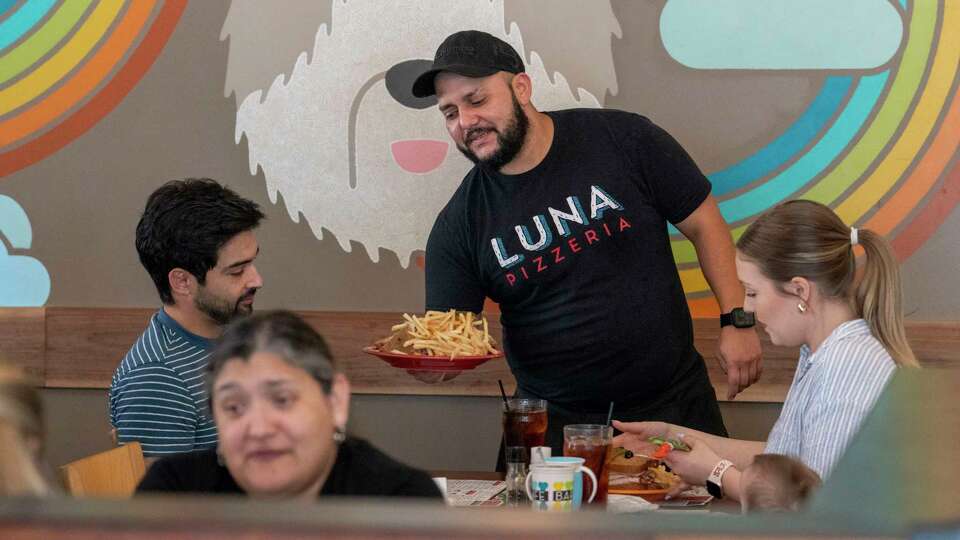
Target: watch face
{"x":743,"y":319}
{"x":714,"y":489}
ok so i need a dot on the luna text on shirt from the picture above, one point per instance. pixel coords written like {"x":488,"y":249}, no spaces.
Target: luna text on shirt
{"x":542,"y":252}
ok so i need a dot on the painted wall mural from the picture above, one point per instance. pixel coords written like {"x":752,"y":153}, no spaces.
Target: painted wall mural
{"x":877,"y":143}
{"x":66,"y":64}
{"x":876,"y":147}
{"x":343,"y":140}
{"x":854,"y":103}
{"x":24,"y":281}
{"x":63,"y":67}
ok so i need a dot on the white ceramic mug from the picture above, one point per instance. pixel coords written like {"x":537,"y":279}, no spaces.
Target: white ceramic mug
{"x":551,"y":486}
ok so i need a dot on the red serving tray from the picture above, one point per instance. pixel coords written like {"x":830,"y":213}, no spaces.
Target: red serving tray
{"x":420,"y":362}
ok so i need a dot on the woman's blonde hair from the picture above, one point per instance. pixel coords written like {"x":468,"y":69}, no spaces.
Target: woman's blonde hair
{"x":21,"y":435}
{"x":779,"y":483}
{"x":807,"y":239}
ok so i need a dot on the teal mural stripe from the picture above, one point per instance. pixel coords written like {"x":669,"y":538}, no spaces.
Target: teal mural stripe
{"x":811,"y":164}
{"x":808,"y":167}
{"x":797,"y":137}
{"x":20,"y":58}
{"x":25,"y":18}
{"x":5,"y":6}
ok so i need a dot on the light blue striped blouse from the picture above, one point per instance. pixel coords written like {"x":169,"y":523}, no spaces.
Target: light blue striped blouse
{"x":833,"y":390}
{"x":157,"y":395}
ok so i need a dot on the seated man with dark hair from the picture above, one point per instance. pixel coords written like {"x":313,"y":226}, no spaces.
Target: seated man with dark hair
{"x":196,"y":240}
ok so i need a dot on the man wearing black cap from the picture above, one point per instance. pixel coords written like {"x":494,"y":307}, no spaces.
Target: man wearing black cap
{"x":563,"y":222}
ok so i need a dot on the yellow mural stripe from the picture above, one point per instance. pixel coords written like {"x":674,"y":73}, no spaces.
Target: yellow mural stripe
{"x":693,"y":280}
{"x":928,"y":109}
{"x":61,"y":63}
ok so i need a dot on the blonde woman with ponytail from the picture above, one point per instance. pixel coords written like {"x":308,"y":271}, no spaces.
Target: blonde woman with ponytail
{"x":21,"y":435}
{"x":799,"y":268}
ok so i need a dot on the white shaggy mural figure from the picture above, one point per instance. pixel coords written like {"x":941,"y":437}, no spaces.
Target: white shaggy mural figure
{"x":341,"y":150}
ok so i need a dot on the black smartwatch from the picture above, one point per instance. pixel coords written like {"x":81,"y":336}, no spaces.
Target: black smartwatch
{"x":738,"y":318}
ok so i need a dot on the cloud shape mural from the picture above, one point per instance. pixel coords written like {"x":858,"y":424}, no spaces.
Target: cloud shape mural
{"x":781,"y":34}
{"x":24,"y":282}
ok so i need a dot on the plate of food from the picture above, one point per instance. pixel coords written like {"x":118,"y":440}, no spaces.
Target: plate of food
{"x":437,"y":341}
{"x":635,"y":474}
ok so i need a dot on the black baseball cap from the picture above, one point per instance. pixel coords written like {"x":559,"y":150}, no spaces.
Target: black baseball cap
{"x":470,"y":53}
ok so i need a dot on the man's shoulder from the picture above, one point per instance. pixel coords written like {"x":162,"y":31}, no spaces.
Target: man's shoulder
{"x":615,"y":118}
{"x":459,"y":202}
{"x":156,"y":348}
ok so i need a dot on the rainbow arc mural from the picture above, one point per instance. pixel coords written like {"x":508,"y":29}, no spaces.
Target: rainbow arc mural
{"x":878,"y":142}
{"x":65,"y":65}
{"x":881,"y":149}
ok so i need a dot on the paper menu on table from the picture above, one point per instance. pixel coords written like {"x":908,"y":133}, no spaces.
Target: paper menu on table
{"x":474,"y":492}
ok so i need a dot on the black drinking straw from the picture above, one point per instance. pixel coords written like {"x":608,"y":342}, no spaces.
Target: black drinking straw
{"x":610,"y":414}
{"x":504,"y":394}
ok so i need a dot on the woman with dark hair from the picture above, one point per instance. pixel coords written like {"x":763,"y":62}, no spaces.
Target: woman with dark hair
{"x":799,"y":270}
{"x":280,"y":407}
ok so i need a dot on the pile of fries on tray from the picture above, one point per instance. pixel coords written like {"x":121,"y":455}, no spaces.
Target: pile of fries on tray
{"x":448,"y":334}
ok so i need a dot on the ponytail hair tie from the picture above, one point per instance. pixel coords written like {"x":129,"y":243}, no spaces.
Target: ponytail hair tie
{"x":854,"y":238}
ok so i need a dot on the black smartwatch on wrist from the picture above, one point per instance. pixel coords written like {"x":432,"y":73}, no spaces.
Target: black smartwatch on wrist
{"x":738,"y":318}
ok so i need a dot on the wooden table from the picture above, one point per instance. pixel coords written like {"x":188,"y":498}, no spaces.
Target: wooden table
{"x":723,"y":506}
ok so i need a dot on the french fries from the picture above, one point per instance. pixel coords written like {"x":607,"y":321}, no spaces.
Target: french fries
{"x":441,"y":333}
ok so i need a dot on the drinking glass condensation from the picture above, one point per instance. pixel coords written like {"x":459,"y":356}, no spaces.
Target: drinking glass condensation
{"x":525,"y":423}
{"x":592,"y":442}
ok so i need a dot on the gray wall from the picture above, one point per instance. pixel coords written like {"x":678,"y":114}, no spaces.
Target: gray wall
{"x":458,"y":433}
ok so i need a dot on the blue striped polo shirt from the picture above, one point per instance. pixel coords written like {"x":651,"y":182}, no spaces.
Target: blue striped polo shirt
{"x":833,"y":391}
{"x":157,"y":395}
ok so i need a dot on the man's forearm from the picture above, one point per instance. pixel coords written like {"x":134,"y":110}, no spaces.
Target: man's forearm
{"x":708,"y":232}
{"x":716,"y":253}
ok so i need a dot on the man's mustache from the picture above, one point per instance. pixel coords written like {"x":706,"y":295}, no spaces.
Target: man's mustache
{"x":474,"y":133}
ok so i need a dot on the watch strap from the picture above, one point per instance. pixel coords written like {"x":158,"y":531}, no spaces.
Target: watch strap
{"x":715,"y":480}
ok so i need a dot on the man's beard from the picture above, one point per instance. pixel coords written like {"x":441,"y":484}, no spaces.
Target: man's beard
{"x":221,"y":310}
{"x":509,"y":141}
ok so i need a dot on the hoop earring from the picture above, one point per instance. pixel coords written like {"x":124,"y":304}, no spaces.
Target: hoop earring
{"x":801,"y":308}
{"x":339,"y":435}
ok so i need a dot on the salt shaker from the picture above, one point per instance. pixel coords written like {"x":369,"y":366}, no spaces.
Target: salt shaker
{"x":516,"y":478}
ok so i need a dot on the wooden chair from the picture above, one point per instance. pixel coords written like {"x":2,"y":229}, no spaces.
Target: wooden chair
{"x":111,"y":474}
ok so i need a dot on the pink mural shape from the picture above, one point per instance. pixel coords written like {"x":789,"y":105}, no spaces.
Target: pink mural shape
{"x":419,"y":156}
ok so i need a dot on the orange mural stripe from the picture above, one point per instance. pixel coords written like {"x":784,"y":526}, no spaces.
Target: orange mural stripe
{"x":105,"y":101}
{"x":704,"y":307}
{"x":934,"y":214}
{"x":84,"y":81}
{"x":923,"y":178}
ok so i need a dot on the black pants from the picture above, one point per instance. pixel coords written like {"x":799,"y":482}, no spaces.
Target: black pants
{"x":692,"y":406}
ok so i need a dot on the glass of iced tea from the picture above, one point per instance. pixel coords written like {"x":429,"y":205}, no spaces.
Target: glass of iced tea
{"x":525,"y":423}
{"x":592,"y":442}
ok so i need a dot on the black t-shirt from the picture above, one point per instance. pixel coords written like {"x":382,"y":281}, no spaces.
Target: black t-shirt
{"x":360,"y":469}
{"x":577,"y":253}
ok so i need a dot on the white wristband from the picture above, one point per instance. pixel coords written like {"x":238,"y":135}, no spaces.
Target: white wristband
{"x":716,"y":475}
